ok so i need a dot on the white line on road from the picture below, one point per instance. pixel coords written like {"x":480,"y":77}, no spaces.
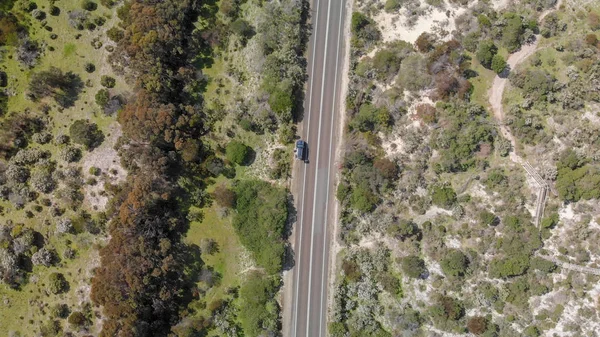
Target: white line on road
{"x":299,"y":231}
{"x":335,"y":100}
{"x":312,"y":230}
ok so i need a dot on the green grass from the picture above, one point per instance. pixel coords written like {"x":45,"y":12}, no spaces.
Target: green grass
{"x":481,"y":83}
{"x":227,"y":261}
{"x":72,"y":49}
{"x":69,"y":49}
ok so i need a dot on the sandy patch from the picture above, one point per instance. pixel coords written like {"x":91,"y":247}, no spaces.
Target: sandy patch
{"x":107,"y":160}
{"x":394,"y":26}
{"x":431,"y":213}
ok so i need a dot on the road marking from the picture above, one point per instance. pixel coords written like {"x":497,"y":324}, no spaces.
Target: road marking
{"x":312,"y":72}
{"x":312,"y":229}
{"x":335,"y":100}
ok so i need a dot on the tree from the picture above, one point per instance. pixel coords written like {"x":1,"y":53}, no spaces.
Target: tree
{"x":485,"y":53}
{"x":498,"y":63}
{"x":413,"y":266}
{"x":86,"y":133}
{"x":57,"y":283}
{"x":237,"y":152}
{"x":454,"y":263}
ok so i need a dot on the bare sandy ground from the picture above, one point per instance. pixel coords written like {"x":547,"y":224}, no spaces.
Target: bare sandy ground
{"x":107,"y":160}
{"x":393,"y":26}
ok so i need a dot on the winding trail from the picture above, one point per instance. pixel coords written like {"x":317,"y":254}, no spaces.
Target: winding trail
{"x":495,"y":94}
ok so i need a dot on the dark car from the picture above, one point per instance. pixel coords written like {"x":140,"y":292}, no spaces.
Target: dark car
{"x":301,"y":150}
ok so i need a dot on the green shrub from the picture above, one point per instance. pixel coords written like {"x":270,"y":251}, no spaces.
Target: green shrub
{"x":260,"y":221}
{"x":386,"y":63}
{"x":363,"y":199}
{"x":242,"y":28}
{"x":108,"y":81}
{"x":550,"y":221}
{"x":115,"y":34}
{"x":370,"y":118}
{"x":443,"y":196}
{"x":483,"y":20}
{"x":358,"y":22}
{"x":59,"y":311}
{"x":89,"y":5}
{"x":392,"y":5}
{"x":531,"y":331}
{"x":57,"y":283}
{"x":86,"y":133}
{"x":403,"y":229}
{"x":90,"y":67}
{"x":543,"y":265}
{"x":454,"y":263}
{"x":281,"y":99}
{"x":337,"y":329}
{"x":237,"y":152}
{"x":485,"y":53}
{"x":102,"y":97}
{"x":498,"y":63}
{"x":413,"y":74}
{"x":413,"y":266}
{"x":258,"y":311}
{"x":488,"y":218}
{"x":510,"y":266}
{"x":95,"y":171}
{"x":512,"y":32}
{"x":78,"y":319}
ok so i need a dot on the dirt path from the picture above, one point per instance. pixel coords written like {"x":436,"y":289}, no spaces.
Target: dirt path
{"x":499,"y":84}
{"x":497,"y":90}
{"x":495,"y":94}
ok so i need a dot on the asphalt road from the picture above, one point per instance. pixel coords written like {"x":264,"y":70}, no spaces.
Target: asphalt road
{"x":316,"y":193}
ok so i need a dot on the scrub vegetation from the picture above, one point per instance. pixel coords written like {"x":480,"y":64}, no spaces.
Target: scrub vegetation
{"x":437,"y":229}
{"x":142,"y":181}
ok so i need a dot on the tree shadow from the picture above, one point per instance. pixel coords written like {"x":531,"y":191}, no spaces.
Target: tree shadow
{"x":250,"y":157}
{"x":289,"y":260}
{"x":68,"y":93}
{"x":505,"y":72}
